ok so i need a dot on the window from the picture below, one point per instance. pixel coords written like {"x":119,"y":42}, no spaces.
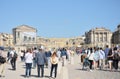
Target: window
{"x":105,"y":39}
{"x":101,"y":39}
{"x":18,"y":34}
{"x":25,"y":38}
{"x":97,"y":39}
{"x":29,"y":39}
{"x":33,"y":39}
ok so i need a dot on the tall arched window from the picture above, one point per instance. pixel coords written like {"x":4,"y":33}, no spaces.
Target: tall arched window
{"x":33,"y":39}
{"x":25,"y":38}
{"x":29,"y":39}
{"x":17,"y":34}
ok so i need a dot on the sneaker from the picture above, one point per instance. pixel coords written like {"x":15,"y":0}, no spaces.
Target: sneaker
{"x":26,"y":76}
{"x":91,"y":71}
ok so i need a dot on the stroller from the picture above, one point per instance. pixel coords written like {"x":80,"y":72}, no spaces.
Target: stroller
{"x":86,"y":64}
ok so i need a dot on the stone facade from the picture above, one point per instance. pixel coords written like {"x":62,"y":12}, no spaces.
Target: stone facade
{"x":77,"y":41}
{"x":116,"y":36}
{"x":60,"y":42}
{"x":24,"y":35}
{"x":6,"y":40}
{"x":99,"y":37}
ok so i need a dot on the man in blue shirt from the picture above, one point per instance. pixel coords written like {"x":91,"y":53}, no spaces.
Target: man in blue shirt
{"x":106,"y":53}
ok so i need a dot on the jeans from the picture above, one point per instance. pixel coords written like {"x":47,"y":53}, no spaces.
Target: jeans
{"x":34,"y":63}
{"x":115,"y":64}
{"x":28,"y":69}
{"x":40,"y":67}
{"x":91,"y":63}
{"x":13,"y":63}
{"x":54,"y":66}
{"x":49,"y":63}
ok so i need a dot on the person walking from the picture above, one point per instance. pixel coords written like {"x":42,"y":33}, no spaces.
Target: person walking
{"x":106,"y":54}
{"x":115,"y":59}
{"x":101,"y":59}
{"x":54,"y":62}
{"x":64,"y":56}
{"x":8,"y":55}
{"x":90,"y":58}
{"x":28,"y":62}
{"x":96,"y":58}
{"x":13,"y":55}
{"x":22,"y":55}
{"x":110,"y":59}
{"x":48,"y":55}
{"x":34,"y":59}
{"x":41,"y":60}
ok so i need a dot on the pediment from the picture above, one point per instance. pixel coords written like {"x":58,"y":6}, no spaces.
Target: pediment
{"x":101,"y":29}
{"x":25,"y":28}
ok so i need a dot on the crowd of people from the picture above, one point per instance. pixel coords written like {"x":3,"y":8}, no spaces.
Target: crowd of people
{"x":54,"y":59}
{"x":40,"y":57}
{"x":97,"y":58}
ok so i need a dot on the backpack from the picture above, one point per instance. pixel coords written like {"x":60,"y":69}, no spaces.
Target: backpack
{"x":15,"y":55}
{"x":116,"y":56}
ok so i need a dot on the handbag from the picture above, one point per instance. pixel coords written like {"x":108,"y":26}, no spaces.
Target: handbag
{"x":2,"y":60}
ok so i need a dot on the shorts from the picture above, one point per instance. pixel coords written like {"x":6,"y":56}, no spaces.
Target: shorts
{"x":110,"y":61}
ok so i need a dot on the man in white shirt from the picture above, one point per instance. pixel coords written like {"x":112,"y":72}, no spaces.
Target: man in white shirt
{"x":13,"y":59}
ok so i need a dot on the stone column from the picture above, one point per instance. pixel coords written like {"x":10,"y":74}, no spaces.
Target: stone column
{"x":108,"y":37}
{"x":16,"y":37}
{"x":95,"y":37}
{"x":92,"y":38}
{"x":103,"y":37}
{"x":99,"y":38}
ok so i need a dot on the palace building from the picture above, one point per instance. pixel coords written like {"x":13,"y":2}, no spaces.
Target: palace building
{"x":99,"y":37}
{"x":24,"y":35}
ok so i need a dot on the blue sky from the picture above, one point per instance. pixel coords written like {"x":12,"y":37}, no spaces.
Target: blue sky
{"x":59,"y":18}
